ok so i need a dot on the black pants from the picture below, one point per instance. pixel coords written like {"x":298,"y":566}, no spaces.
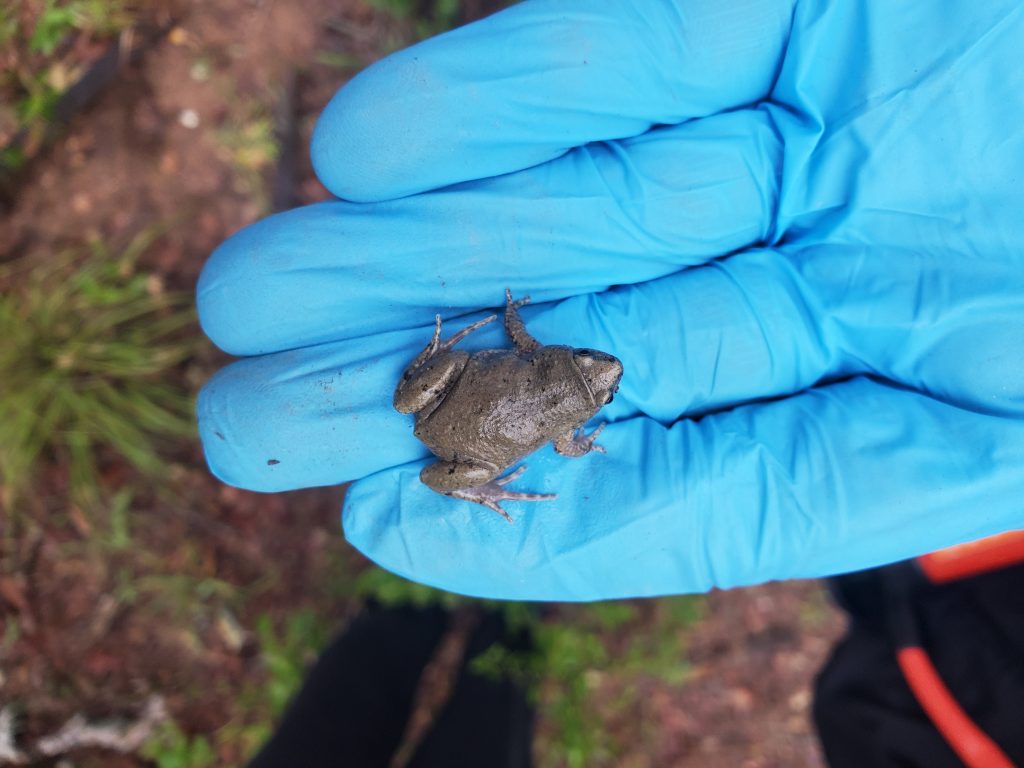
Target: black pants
{"x":354,"y":706}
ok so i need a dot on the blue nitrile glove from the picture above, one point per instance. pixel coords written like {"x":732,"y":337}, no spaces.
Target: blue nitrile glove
{"x":799,"y":225}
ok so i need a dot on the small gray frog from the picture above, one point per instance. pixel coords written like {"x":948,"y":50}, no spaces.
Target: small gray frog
{"x":481,"y":412}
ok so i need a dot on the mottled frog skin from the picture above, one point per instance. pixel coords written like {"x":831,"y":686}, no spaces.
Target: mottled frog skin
{"x":481,"y":413}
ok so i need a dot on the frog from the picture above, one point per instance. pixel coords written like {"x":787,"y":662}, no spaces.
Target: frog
{"x":481,"y":412}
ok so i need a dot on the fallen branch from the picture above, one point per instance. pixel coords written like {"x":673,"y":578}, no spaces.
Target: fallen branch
{"x":9,"y":753}
{"x":78,"y":733}
{"x":437,"y":682}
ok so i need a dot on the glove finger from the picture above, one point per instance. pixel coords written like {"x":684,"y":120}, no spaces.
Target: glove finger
{"x":616,"y":213}
{"x":759,"y":324}
{"x":741,"y":329}
{"x":323,"y":415}
{"x":694,"y":340}
{"x":313,"y":416}
{"x":766,"y":323}
{"x":927,"y":318}
{"x":844,"y":477}
{"x":527,"y":84}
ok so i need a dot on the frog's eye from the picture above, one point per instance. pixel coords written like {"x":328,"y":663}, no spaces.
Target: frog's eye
{"x":584,"y":353}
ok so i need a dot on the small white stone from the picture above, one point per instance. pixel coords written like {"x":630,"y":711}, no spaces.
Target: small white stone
{"x":189,"y":118}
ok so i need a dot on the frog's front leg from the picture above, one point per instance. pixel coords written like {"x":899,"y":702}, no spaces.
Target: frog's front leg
{"x":477,"y":482}
{"x":576,"y":443}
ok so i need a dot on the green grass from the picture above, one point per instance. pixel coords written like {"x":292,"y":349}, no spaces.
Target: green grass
{"x":170,"y":747}
{"x":393,"y":591}
{"x":438,"y":17}
{"x":345,"y":62}
{"x":89,"y":347}
{"x":39,"y":60}
{"x":9,"y":26}
{"x":59,"y":18}
{"x":571,"y":652}
{"x":288,"y":653}
{"x":287,"y":650}
{"x":574,"y":654}
{"x":250,"y":146}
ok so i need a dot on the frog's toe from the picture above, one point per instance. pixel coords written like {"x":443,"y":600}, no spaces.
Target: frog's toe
{"x":511,"y":476}
{"x":578,"y":443}
{"x":515,"y":303}
{"x":497,"y":508}
{"x":491,"y":493}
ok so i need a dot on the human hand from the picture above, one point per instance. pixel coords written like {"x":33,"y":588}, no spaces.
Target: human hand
{"x":799,"y":226}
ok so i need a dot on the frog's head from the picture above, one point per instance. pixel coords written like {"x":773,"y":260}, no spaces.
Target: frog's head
{"x":601,"y":371}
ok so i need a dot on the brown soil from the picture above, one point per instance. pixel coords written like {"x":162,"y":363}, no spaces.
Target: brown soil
{"x":98,"y":629}
{"x":748,"y":702}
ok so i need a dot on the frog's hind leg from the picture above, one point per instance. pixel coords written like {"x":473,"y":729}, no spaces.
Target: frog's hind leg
{"x":524,"y":343}
{"x":477,"y":483}
{"x":489,"y":494}
{"x":436,"y":345}
{"x":427,"y":383}
{"x":446,"y":345}
{"x":448,"y":476}
{"x":428,"y":377}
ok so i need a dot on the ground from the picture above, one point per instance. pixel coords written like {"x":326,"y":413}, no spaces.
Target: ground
{"x":215,"y":598}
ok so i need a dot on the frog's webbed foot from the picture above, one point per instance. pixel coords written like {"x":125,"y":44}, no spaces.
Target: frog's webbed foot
{"x":515,"y":327}
{"x":489,"y":494}
{"x":436,"y":345}
{"x":577,"y":443}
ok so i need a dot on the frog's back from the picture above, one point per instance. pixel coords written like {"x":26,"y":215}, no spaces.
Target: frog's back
{"x":504,"y":406}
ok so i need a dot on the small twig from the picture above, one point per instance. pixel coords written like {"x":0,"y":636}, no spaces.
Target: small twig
{"x":78,"y":733}
{"x":437,"y":683}
{"x":128,"y":48}
{"x":9,"y":753}
{"x":282,"y":188}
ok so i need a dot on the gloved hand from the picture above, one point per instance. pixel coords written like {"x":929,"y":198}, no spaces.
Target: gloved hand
{"x":799,"y":225}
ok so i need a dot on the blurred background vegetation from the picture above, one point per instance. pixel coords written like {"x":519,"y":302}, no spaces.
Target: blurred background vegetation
{"x":134,"y":136}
